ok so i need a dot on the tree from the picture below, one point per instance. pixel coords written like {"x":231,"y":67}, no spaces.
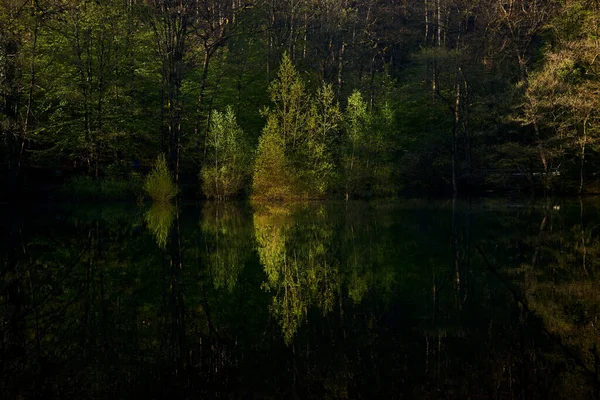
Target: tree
{"x":171,"y":22}
{"x":298,"y":139}
{"x":10,"y":48}
{"x":280,"y":159}
{"x":225,"y":173}
{"x":357,"y":121}
{"x":323,"y":135}
{"x":562,"y":97}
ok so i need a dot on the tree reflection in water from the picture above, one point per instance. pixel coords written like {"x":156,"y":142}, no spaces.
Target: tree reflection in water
{"x":159,"y":219}
{"x":315,"y":300}
{"x":295,"y":245}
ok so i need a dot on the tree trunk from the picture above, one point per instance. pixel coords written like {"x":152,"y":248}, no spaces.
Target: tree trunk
{"x":581,"y":167}
{"x":340,"y":66}
{"x":426,"y":21}
{"x":455,"y":125}
{"x":542,"y":154}
{"x":28,"y":114}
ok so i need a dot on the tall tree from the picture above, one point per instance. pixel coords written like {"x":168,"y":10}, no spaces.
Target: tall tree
{"x":226,"y":171}
{"x":171,"y":21}
{"x":283,"y":136}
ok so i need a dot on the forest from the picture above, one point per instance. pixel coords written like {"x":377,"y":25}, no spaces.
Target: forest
{"x":299,"y":99}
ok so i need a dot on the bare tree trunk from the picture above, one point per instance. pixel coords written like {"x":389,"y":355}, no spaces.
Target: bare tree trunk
{"x":455,"y":125}
{"x":292,"y":29}
{"x":340,"y":66}
{"x":270,"y":41}
{"x":203,"y":81}
{"x":582,"y":233}
{"x":466,"y":119}
{"x":101,"y":77}
{"x":305,"y":41}
{"x":426,"y":21}
{"x":581,"y":167}
{"x":439,"y":23}
{"x":542,"y":154}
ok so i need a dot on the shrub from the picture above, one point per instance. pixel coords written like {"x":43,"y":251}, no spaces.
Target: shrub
{"x":158,"y":184}
{"x":107,"y":188}
{"x":82,"y":187}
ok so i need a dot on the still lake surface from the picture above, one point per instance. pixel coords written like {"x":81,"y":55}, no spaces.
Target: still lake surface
{"x":488,"y":298}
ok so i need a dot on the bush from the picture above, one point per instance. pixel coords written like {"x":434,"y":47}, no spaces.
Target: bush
{"x":272,"y":179}
{"x":82,"y":187}
{"x":108,"y":188}
{"x":158,"y":184}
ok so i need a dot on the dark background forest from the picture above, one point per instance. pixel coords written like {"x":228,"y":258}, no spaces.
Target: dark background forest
{"x":301,"y":98}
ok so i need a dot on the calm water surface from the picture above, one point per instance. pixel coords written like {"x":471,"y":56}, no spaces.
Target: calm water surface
{"x":408,"y":299}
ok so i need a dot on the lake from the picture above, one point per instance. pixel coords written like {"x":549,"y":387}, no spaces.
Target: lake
{"x":488,"y":298}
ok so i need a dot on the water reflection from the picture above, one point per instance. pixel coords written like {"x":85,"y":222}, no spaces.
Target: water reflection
{"x":560,"y":286}
{"x":296,"y":248}
{"x":159,"y":219}
{"x":226,"y":242}
{"x":315,"y":300}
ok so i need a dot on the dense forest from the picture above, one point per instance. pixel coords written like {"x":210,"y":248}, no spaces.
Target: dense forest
{"x":302,"y":98}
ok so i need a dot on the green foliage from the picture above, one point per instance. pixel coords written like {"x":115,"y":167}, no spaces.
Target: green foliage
{"x":277,"y":160}
{"x":82,"y":187}
{"x":159,"y":219}
{"x":82,"y":86}
{"x":297,"y":262}
{"x":561,"y":98}
{"x":368,"y":148}
{"x":119,"y":188}
{"x":323,"y":134}
{"x":226,"y":172}
{"x":356,"y":119}
{"x":126,"y":187}
{"x":91,"y":107}
{"x":272,"y":177}
{"x":422,"y":160}
{"x":226,"y":237}
{"x":159,"y":184}
{"x":295,"y":155}
{"x":364,"y":274}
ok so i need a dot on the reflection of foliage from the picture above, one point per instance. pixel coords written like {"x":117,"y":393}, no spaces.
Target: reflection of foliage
{"x":295,"y":248}
{"x":365,"y":253}
{"x":226,"y":235}
{"x":561,"y":286}
{"x":159,"y":219}
{"x":359,"y":308}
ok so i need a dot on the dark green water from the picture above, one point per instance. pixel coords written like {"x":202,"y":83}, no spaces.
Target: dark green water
{"x":317,"y":300}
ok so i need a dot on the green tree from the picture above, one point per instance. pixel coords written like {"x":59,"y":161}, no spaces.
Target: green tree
{"x":298,"y":141}
{"x":357,"y":121}
{"x":91,"y":67}
{"x":323,"y":135}
{"x":226,"y":170}
{"x":281,"y":148}
{"x":561,"y":98}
